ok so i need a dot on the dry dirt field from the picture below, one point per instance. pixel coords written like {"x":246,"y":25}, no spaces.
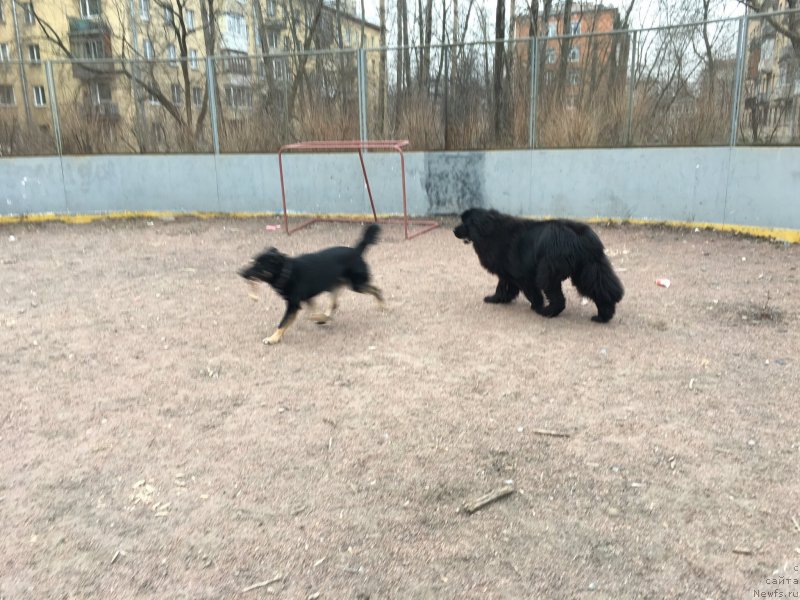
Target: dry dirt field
{"x":152,"y":447}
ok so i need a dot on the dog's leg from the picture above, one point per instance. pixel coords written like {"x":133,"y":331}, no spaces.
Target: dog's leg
{"x":333,"y":304}
{"x":534,"y":296}
{"x":555,"y":298}
{"x":505,"y":293}
{"x":253,"y":291}
{"x":604,"y":313}
{"x":288,"y":318}
{"x":316,"y":315}
{"x":370,"y":289}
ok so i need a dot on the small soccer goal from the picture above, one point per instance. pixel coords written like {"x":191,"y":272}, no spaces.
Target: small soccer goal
{"x":418,"y":226}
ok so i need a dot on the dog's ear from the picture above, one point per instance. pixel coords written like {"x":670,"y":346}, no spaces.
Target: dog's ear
{"x":482,"y":222}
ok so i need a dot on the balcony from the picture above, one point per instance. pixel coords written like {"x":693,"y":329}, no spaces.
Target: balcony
{"x":90,"y":44}
{"x":80,"y":27}
{"x":102,"y":111}
{"x":89,"y":69}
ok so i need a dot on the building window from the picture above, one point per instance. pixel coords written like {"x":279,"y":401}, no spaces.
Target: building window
{"x":169,"y":16}
{"x":552,"y":29}
{"x":550,"y":56}
{"x":572,"y":78}
{"x":239,"y":97}
{"x":2,"y":12}
{"x":101,"y":93}
{"x":286,"y":44}
{"x":575,"y":29}
{"x":237,"y":24}
{"x":93,"y":49}
{"x":574,"y":54}
{"x":783,"y":74}
{"x":177,"y":94}
{"x":4,"y":55}
{"x":30,"y":17}
{"x":153,"y":99}
{"x":90,"y":8}
{"x":149,"y":53}
{"x":272,"y":39}
{"x":34,"y":54}
{"x":190,"y":20}
{"x":197,"y":95}
{"x":172,"y":55}
{"x":280,"y":69}
{"x":39,"y":99}
{"x":144,"y":10}
{"x":7,"y":95}
{"x":193,"y":59}
{"x":549,"y":76}
{"x":272,"y":10}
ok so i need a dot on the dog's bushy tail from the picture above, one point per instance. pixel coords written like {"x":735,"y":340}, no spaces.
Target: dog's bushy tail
{"x":597,"y":279}
{"x":370,"y":237}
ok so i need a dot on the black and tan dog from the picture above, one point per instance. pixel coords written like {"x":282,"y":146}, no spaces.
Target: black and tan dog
{"x":300,"y":279}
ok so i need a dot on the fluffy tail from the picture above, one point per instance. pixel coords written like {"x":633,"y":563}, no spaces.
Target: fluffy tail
{"x":597,"y":279}
{"x":370,"y":237}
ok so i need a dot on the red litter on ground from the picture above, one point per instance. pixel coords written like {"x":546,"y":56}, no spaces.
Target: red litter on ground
{"x":272,"y":227}
{"x":663,"y":282}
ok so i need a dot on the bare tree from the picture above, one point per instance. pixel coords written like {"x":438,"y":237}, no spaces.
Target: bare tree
{"x":177,"y":33}
{"x":302,"y":60}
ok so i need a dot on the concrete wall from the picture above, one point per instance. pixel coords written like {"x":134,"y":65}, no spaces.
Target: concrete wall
{"x":744,"y":186}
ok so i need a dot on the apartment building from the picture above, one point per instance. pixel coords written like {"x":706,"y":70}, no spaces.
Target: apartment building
{"x":771,"y":90}
{"x":589,"y":57}
{"x":140,"y":64}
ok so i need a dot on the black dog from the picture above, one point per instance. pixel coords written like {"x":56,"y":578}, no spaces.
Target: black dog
{"x":536,"y":256}
{"x":302,"y":278}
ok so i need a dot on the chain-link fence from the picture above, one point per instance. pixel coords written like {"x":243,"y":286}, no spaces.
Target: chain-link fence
{"x":734,"y":81}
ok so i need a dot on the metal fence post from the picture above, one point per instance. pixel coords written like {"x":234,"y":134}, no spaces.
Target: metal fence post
{"x":446,"y":50}
{"x":212,"y":102}
{"x":362,"y":93}
{"x":51,"y":89}
{"x":534,"y":91}
{"x":631,"y":85}
{"x":741,"y":52}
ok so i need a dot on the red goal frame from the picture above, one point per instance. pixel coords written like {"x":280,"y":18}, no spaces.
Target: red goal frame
{"x":354,"y":146}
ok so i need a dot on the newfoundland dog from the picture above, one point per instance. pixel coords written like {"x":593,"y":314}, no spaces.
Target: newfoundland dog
{"x":534,"y":257}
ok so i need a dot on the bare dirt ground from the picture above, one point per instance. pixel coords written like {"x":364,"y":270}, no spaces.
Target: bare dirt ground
{"x":152,"y":447}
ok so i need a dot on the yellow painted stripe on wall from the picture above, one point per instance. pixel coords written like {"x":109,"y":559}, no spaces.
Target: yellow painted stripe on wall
{"x":786,"y":235}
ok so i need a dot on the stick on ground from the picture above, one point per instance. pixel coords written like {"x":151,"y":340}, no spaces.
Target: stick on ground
{"x":550,"y":433}
{"x":486,"y":499}
{"x":255,"y":586}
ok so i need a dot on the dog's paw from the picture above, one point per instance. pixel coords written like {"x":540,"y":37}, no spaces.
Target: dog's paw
{"x":319,"y":318}
{"x":272,"y":340}
{"x":492,"y":299}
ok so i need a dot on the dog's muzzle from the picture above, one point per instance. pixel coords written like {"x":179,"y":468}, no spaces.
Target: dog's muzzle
{"x":461,"y":233}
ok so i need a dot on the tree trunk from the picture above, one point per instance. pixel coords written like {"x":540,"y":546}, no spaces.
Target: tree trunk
{"x":499,"y":62}
{"x":382,"y":91}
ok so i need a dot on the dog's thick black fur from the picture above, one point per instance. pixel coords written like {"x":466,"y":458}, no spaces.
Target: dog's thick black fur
{"x":299,"y":279}
{"x":534,"y":257}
